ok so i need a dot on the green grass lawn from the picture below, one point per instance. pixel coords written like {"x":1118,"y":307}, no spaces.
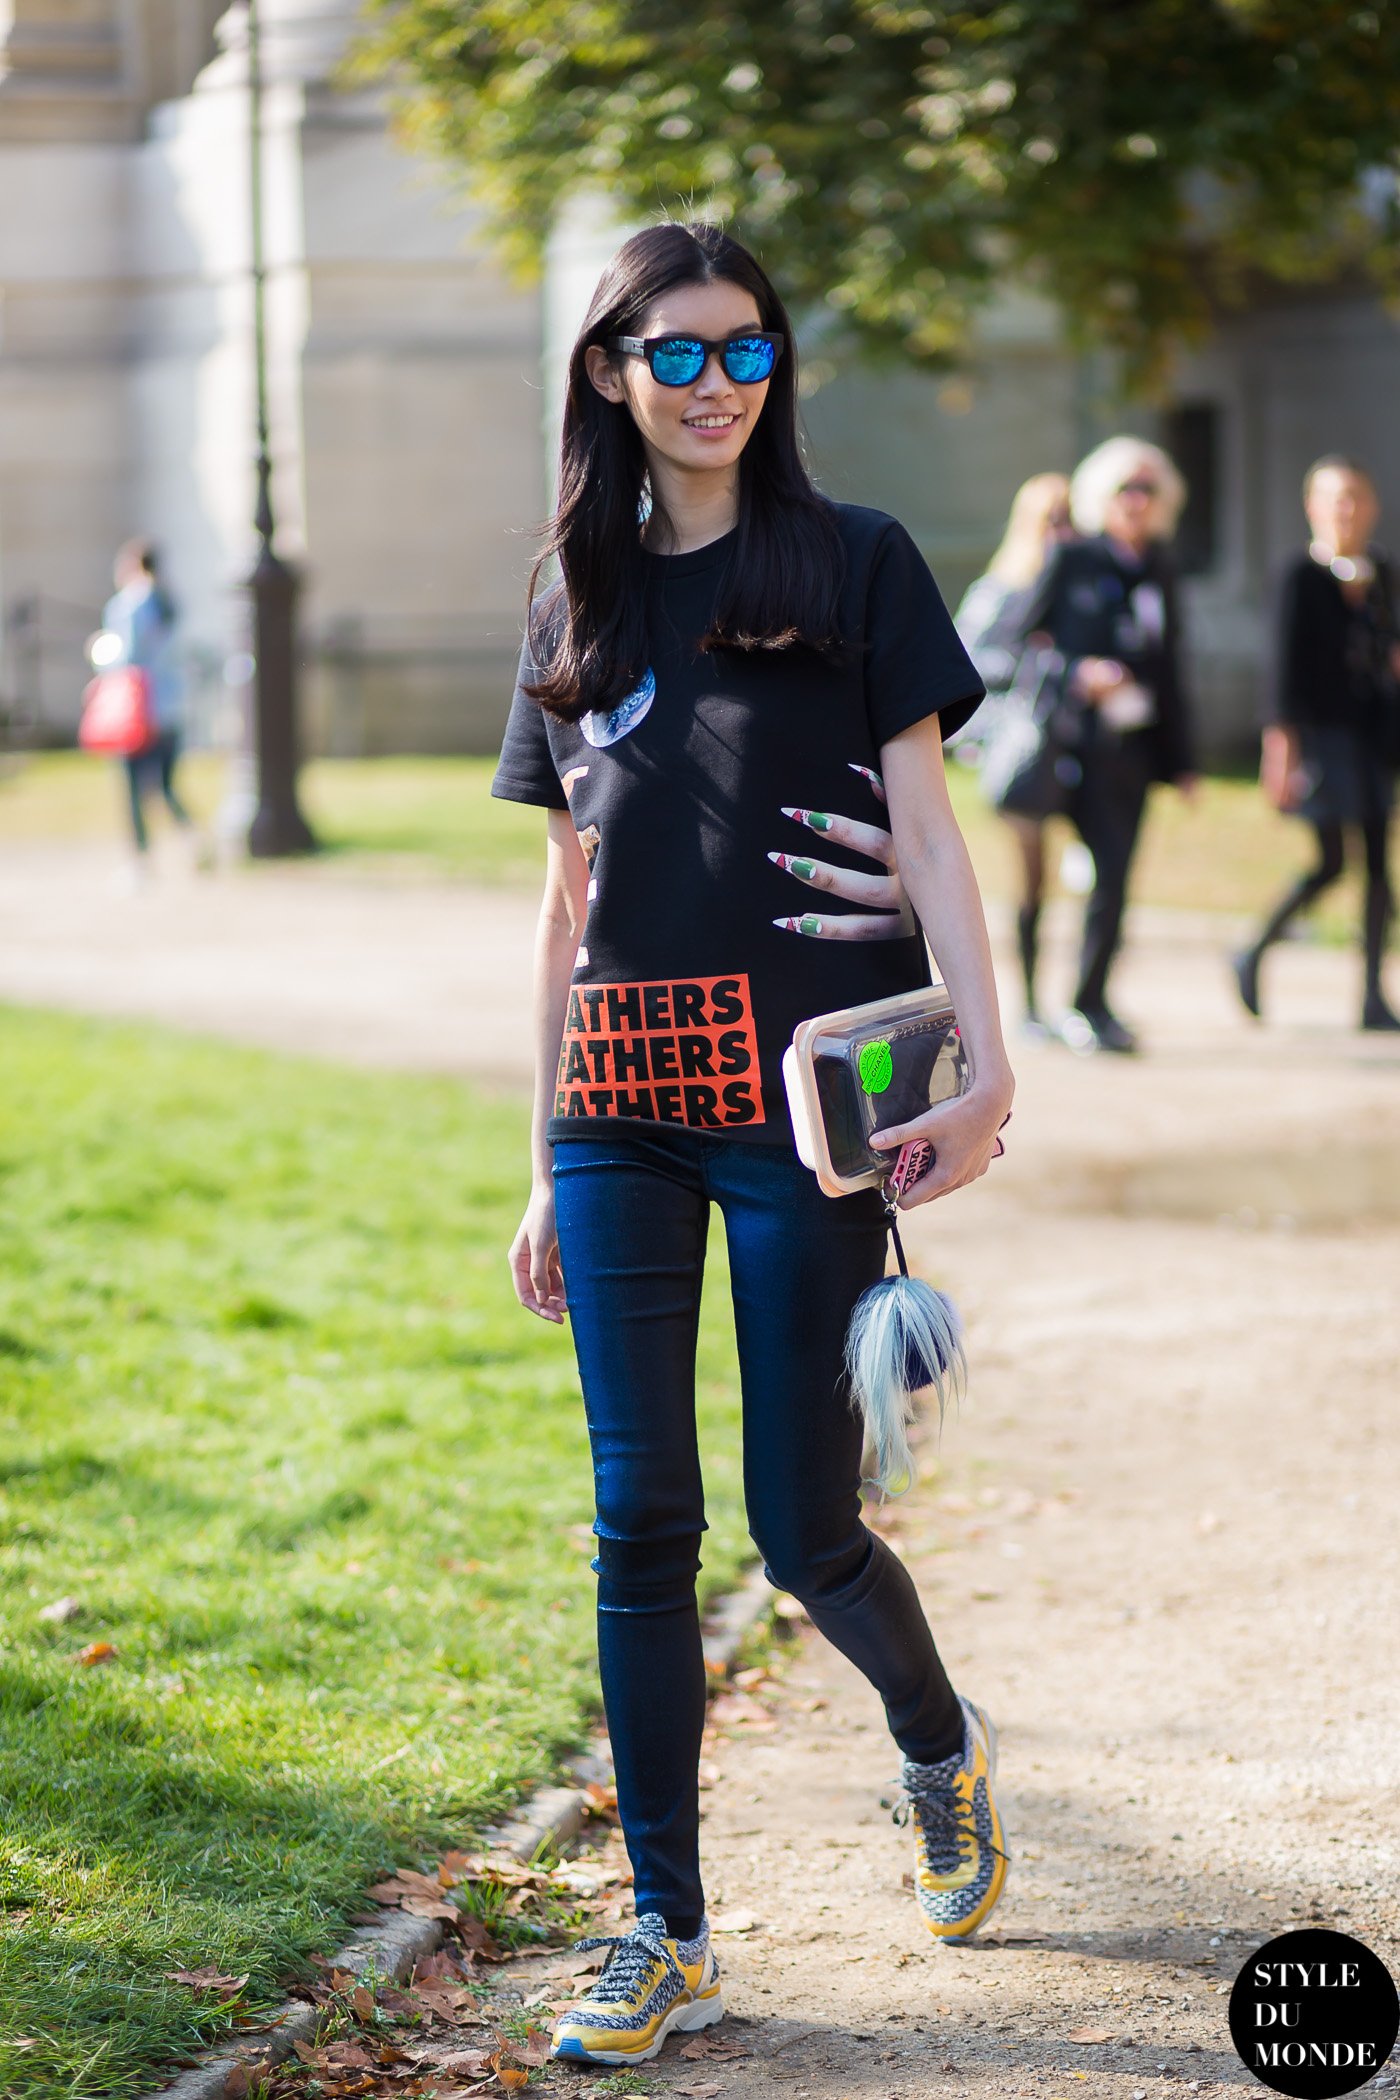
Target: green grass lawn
{"x":269,"y":1413}
{"x":1230,"y":853}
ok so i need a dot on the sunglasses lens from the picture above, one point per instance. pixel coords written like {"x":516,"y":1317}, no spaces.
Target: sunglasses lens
{"x":677,"y":361}
{"x":748,"y":359}
{"x":1138,"y":488}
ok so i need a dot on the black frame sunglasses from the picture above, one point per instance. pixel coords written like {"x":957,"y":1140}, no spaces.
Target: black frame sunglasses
{"x":679,"y":360}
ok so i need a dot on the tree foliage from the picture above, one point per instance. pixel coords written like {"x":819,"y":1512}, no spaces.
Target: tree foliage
{"x":1141,"y":161}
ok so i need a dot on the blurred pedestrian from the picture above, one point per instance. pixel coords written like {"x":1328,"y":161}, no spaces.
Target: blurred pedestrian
{"x":1332,"y":738}
{"x":1107,"y":603}
{"x":141,"y":617}
{"x":986,"y":621}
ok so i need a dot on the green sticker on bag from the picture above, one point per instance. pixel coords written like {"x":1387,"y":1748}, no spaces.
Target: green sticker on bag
{"x":875,"y":1066}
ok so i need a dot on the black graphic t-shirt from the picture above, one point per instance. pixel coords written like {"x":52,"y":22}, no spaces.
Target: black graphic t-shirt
{"x":694,"y":967}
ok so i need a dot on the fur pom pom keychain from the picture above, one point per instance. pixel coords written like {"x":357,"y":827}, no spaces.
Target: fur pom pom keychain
{"x":905,"y":1338}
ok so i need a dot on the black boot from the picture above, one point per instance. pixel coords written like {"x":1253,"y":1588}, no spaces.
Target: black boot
{"x":1376,"y":1013}
{"x":1308,"y":887}
{"x":1246,"y":969}
{"x":1028,"y":949}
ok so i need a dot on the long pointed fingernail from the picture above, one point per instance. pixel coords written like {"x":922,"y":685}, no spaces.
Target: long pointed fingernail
{"x":866,"y":773}
{"x":808,"y":923}
{"x":793,"y":864}
{"x":815,"y":818}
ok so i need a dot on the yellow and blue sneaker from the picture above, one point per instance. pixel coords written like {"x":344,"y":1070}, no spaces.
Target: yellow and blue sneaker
{"x":960,"y":1855}
{"x":649,"y":1986}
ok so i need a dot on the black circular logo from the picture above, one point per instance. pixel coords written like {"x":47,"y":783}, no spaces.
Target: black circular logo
{"x":1314,"y":2013}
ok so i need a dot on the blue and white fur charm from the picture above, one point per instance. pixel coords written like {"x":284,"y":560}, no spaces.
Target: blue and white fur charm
{"x":905,"y":1338}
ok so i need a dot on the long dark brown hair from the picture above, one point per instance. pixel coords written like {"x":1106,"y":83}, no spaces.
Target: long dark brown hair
{"x":783,"y":576}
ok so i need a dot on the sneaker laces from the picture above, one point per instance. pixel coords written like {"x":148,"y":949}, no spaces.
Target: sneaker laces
{"x":947,"y":1818}
{"x":628,"y":1965}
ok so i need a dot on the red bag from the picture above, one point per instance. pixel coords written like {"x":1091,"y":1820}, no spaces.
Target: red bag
{"x":117,"y":713}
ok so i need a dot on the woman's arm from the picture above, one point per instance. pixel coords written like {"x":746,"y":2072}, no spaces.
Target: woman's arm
{"x":1280,"y":757}
{"x":534,"y":1255}
{"x":937,"y":872}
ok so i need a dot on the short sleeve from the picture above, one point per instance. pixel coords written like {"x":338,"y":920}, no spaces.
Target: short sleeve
{"x":525,"y":771}
{"x":915,"y":665}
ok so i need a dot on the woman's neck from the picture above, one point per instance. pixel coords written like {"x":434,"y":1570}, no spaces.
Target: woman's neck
{"x":691,"y":509}
{"x":1134,"y":551}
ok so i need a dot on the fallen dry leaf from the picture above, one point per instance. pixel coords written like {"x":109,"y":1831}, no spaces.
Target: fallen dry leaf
{"x":362,"y":2002}
{"x":734,"y":1921}
{"x":208,"y":1979}
{"x":406,"y":1882}
{"x":430,"y":1907}
{"x":1090,"y":2034}
{"x":58,"y":1614}
{"x":25,"y":2041}
{"x":511,"y":2076}
{"x":239,"y":2079}
{"x":474,"y":1936}
{"x":95,"y":1652}
{"x":710,"y":2045}
{"x":466,"y":2063}
{"x":534,"y":2050}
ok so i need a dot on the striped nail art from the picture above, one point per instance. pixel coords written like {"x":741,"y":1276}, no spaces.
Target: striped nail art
{"x":808,"y":923}
{"x":815,"y":819}
{"x":793,"y":864}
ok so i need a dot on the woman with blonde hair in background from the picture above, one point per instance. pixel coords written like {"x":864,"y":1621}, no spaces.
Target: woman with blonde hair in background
{"x":1107,"y":602}
{"x":985,"y":620}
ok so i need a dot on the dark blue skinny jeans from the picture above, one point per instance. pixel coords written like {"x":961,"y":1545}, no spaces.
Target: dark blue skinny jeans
{"x":633,"y":1211}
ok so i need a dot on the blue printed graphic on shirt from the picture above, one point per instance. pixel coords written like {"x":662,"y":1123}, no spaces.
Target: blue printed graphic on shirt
{"x":604,"y":729}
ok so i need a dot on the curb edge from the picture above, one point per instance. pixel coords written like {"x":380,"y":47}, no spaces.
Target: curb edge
{"x":554,"y":1815}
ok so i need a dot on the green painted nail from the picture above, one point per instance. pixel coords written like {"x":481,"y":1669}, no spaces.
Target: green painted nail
{"x":806,"y":869}
{"x":817,"y":821}
{"x":810,"y":923}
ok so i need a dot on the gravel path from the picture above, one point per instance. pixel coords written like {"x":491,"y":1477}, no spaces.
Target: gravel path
{"x":1160,"y":1542}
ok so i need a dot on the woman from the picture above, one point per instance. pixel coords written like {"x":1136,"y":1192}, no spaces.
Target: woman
{"x":699,"y":685}
{"x":142,"y":617}
{"x":985,"y":620}
{"x":1108,"y":603}
{"x":1333,"y":735}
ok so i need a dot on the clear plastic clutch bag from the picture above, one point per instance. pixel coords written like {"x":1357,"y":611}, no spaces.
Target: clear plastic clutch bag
{"x":866,"y":1068}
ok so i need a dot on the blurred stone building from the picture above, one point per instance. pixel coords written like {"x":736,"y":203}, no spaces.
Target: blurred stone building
{"x":404,"y":370}
{"x":412,"y":387}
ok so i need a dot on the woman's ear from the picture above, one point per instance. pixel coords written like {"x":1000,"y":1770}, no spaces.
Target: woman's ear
{"x":603,"y":373}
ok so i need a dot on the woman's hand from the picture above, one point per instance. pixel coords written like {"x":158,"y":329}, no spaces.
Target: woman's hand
{"x":965,"y":1135}
{"x":534,"y":1259}
{"x":887,"y":914}
{"x":1096,"y":678}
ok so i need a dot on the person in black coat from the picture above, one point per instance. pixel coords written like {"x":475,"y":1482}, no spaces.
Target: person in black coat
{"x":1107,"y":603}
{"x":1332,"y":732}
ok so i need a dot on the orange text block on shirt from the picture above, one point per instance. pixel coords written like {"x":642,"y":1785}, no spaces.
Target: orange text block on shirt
{"x":680,"y":1050}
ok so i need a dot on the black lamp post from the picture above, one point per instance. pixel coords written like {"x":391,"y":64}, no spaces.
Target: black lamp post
{"x":278,"y":827}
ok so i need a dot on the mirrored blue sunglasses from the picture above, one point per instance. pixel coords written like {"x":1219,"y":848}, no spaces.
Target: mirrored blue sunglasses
{"x":678,"y":360}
